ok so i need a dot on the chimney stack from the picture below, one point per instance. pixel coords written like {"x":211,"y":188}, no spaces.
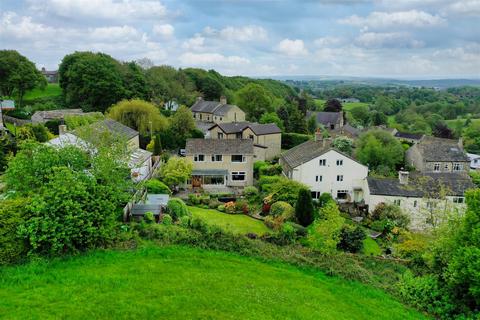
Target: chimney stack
{"x":403,"y":177}
{"x":223,"y":100}
{"x":199,"y":99}
{"x":62,"y":129}
{"x":460,"y":143}
{"x":318,"y":135}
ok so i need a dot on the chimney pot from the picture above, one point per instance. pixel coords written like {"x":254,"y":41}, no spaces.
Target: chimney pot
{"x":223,"y":100}
{"x":62,"y":129}
{"x":318,"y":135}
{"x":403,"y":177}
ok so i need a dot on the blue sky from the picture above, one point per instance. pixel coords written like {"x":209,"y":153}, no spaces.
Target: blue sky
{"x":383,"y":38}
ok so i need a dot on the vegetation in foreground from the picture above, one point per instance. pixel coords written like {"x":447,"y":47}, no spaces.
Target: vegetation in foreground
{"x":185,"y":283}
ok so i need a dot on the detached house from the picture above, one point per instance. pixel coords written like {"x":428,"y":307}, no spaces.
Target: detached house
{"x":419,"y":194}
{"x":325,"y":169}
{"x":221,"y":162}
{"x":216,"y":111}
{"x":432,"y":154}
{"x":267,"y":138}
{"x":329,"y":120}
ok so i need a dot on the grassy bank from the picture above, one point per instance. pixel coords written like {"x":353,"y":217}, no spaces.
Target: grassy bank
{"x":52,"y":90}
{"x":184,"y":283}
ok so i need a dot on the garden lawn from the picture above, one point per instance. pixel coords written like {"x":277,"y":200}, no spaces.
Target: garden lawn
{"x":52,"y":90}
{"x":184,"y":283}
{"x":235,"y":223}
{"x":346,"y":106}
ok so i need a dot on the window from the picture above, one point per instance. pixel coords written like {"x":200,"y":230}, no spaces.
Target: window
{"x":214,"y":180}
{"x":431,"y":205}
{"x":323,"y":162}
{"x":220,"y":135}
{"x":457,"y":166}
{"x":238,"y":135}
{"x":217,"y":158}
{"x":436,"y":167}
{"x":446,"y":166}
{"x":238,"y":175}
{"x":340,"y":178}
{"x":458,"y":200}
{"x":415,"y":203}
{"x":200,"y":116}
{"x":250,"y":137}
{"x":238,"y":158}
{"x":199,"y":158}
{"x":342,"y":194}
{"x":396,"y":202}
{"x":318,"y":178}
{"x":339,"y":162}
{"x":315,"y":194}
{"x":332,"y":126}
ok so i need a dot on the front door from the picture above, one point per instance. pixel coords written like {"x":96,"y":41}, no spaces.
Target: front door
{"x":196,"y":181}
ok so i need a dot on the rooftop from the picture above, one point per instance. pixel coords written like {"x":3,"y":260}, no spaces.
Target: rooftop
{"x":406,"y":135}
{"x":116,"y":128}
{"x":56,"y":114}
{"x":219,"y":146}
{"x":325,"y":118}
{"x":439,"y":149}
{"x":257,"y":128}
{"x":214,"y":107}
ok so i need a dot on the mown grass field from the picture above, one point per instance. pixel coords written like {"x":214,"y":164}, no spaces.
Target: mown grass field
{"x":235,"y":223}
{"x":52,"y":90}
{"x":346,"y":106}
{"x":452,"y":123}
{"x":184,"y":283}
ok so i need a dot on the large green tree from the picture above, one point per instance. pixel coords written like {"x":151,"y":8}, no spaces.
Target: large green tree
{"x":176,"y":171}
{"x":92,"y":81}
{"x":18,"y":75}
{"x":380,"y":151}
{"x":272,"y":117}
{"x":254,"y":100}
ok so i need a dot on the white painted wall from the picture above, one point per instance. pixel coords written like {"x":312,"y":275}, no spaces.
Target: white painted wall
{"x":353,"y":173}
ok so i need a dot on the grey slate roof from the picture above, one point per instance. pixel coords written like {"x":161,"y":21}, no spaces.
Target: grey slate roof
{"x":438,"y":149}
{"x":117,"y":128}
{"x":219,"y":146}
{"x":214,"y":107}
{"x":421,"y":185}
{"x":325,"y":118}
{"x":406,"y":135}
{"x":353,"y":131}
{"x":258,"y":128}
{"x":57,"y":114}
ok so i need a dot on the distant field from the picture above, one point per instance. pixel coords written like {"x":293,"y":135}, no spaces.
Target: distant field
{"x":236,"y":223}
{"x":52,"y":90}
{"x":451,"y":123}
{"x":346,"y":106}
{"x":185,"y":283}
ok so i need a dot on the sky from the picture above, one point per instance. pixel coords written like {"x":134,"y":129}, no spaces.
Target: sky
{"x":367,"y":38}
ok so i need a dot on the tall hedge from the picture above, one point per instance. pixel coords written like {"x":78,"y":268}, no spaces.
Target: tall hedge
{"x":290,"y":139}
{"x":304,"y":210}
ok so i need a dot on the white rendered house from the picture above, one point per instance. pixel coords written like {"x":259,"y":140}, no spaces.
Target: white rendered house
{"x":325,"y":169}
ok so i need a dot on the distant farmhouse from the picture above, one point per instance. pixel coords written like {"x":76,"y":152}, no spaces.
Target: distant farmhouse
{"x":432,"y":154}
{"x":51,"y":76}
{"x":267,"y":138}
{"x":221,"y":162}
{"x":216,"y":111}
{"x":329,"y":120}
{"x":348,"y":100}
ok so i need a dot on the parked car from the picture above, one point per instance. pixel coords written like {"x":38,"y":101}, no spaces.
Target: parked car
{"x":182,"y":152}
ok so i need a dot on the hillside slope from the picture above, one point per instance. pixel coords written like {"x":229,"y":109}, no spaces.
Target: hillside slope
{"x":184,"y":283}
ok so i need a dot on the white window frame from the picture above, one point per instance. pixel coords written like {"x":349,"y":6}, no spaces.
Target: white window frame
{"x":196,"y":157}
{"x":339,"y":177}
{"x":238,"y":173}
{"x":315,"y":194}
{"x":322,"y":162}
{"x":397,"y":202}
{"x":457,"y":166}
{"x":214,"y":157}
{"x":318,"y":178}
{"x":244,"y":159}
{"x":458,"y":200}
{"x":343,"y":191}
{"x":415,"y":203}
{"x":436,"y":167}
{"x":340,"y":162}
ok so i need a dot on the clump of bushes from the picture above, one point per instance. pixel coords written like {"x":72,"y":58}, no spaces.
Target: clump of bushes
{"x":11,"y":217}
{"x":177,"y":208}
{"x":167,"y":220}
{"x":351,"y":239}
{"x":156,"y":186}
{"x":390,"y":214}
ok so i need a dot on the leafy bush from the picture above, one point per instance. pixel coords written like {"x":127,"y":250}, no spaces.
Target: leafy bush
{"x":283,"y":209}
{"x":177,"y":208}
{"x":304,"y":211}
{"x":184,"y":221}
{"x":193,"y":199}
{"x":241,"y":206}
{"x":221,"y":208}
{"x":323,"y":199}
{"x":250,"y":192}
{"x":148,"y":217}
{"x":391,"y":213}
{"x":214,"y":203}
{"x":281,"y":188}
{"x":167,"y":220}
{"x":270,"y":170}
{"x":351,"y":239}
{"x":11,"y":217}
{"x":156,"y":186}
{"x":324,"y":233}
{"x":290,"y":140}
{"x":230,"y":207}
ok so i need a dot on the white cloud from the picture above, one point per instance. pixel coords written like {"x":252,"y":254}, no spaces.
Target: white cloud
{"x":387,"y":39}
{"x":163,"y":30}
{"x":107,"y":9}
{"x":411,"y":18}
{"x":195,"y":43}
{"x":243,"y":34}
{"x":17,"y":27}
{"x":210,"y":60}
{"x":468,"y":7}
{"x":292,"y":47}
{"x":110,"y":34}
{"x":328,"y":41}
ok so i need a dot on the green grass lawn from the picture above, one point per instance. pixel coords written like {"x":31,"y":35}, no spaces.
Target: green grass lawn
{"x":52,"y":90}
{"x":346,"y":106}
{"x":451,"y":123}
{"x":235,"y":223}
{"x":371,"y":247}
{"x":184,"y":283}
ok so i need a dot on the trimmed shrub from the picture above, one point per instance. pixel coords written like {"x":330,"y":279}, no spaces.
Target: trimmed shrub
{"x":290,"y":140}
{"x":351,"y":239}
{"x":270,"y":170}
{"x":184,"y":221}
{"x":283,"y":209}
{"x":193,"y":199}
{"x":177,"y":208}
{"x":221,"y":208}
{"x":241,"y":206}
{"x":167,"y":220}
{"x":157,"y":187}
{"x":214,"y":203}
{"x":148,"y":217}
{"x":250,"y":192}
{"x":304,"y":210}
{"x":391,"y":213}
